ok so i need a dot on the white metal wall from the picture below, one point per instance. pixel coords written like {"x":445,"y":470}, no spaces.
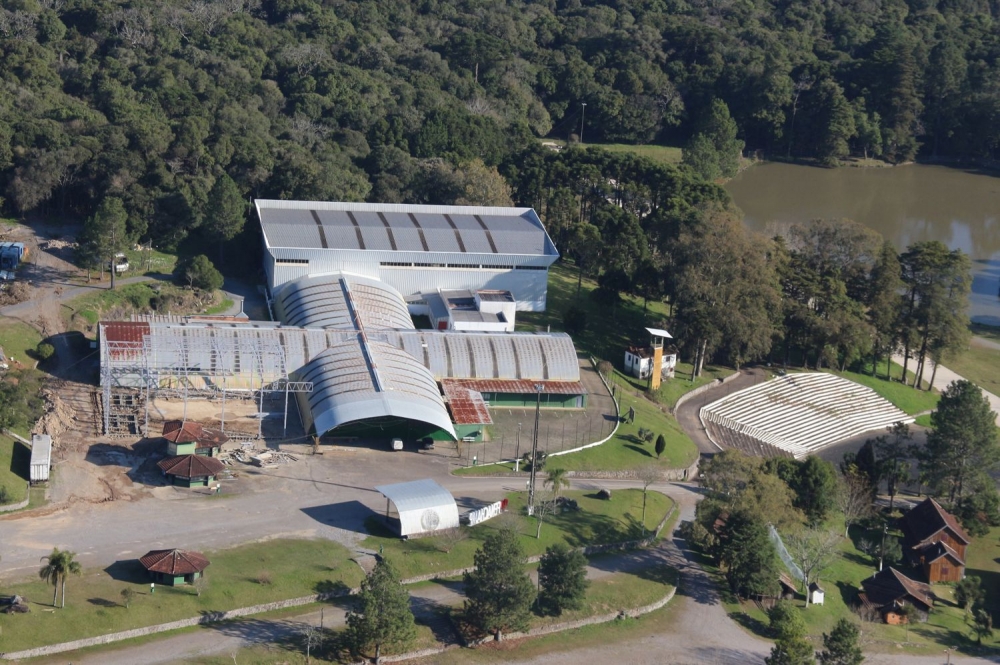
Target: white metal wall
{"x":527,"y":286}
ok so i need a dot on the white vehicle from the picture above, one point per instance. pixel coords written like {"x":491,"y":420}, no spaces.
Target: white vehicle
{"x":120,"y":263}
{"x":397,"y":444}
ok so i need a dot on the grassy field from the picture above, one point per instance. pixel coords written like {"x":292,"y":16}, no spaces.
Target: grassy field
{"x":17,"y":339}
{"x":907,"y":399}
{"x":658,"y":153}
{"x":14,"y":458}
{"x":946,"y":625}
{"x":596,"y":522}
{"x":238,"y":577}
{"x":980,"y":363}
{"x":608,"y":594}
{"x":163,"y":296}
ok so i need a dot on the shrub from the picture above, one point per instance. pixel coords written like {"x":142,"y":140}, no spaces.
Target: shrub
{"x":44,"y":350}
{"x":199,"y":273}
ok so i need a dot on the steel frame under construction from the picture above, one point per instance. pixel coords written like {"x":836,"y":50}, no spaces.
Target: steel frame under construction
{"x":198,"y":363}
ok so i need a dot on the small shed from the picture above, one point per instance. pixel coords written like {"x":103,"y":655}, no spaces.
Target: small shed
{"x":191,"y":470}
{"x":422,"y":507}
{"x":174,"y":567}
{"x":816,"y":594}
{"x":41,"y":458}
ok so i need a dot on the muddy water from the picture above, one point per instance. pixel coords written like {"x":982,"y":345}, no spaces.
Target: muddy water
{"x":906,"y":204}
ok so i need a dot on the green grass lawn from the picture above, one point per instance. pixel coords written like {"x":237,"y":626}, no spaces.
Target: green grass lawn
{"x":14,"y":457}
{"x":94,"y":606}
{"x":17,"y":339}
{"x":979,"y":363}
{"x":907,"y":399}
{"x":596,"y":522}
{"x":658,"y":153}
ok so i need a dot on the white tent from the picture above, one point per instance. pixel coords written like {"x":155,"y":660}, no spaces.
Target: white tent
{"x":423,"y":506}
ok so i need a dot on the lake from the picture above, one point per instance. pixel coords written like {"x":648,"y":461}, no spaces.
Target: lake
{"x":906,"y":204}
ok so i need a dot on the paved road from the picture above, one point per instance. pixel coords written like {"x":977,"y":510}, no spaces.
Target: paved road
{"x":687,"y":413}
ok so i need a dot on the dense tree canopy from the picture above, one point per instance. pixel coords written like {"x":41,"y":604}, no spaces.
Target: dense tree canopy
{"x":153,"y":102}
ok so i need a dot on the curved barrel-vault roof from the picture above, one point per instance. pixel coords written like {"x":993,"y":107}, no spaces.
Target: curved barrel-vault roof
{"x":358,"y":380}
{"x":341,"y":300}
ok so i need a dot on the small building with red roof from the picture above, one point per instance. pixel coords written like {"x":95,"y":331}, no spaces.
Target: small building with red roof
{"x":191,"y":470}
{"x":174,"y":567}
{"x":187,"y":438}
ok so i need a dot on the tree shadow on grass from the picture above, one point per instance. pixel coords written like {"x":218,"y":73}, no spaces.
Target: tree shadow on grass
{"x":103,"y":602}
{"x":848,"y":593}
{"x":751,"y":623}
{"x":128,"y":570}
{"x":332,"y":588}
{"x":434,"y":615}
{"x":639,"y":450}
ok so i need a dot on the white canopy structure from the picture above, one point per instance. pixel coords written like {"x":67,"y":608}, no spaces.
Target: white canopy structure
{"x":423,"y":506}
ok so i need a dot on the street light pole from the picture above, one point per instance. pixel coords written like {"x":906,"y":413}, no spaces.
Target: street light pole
{"x":534,"y":450}
{"x":583,"y":114}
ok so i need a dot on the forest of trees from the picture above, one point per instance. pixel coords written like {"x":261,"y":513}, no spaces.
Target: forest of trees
{"x":153,"y":102}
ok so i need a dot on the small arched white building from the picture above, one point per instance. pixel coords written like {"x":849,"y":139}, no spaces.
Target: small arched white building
{"x":422,"y":506}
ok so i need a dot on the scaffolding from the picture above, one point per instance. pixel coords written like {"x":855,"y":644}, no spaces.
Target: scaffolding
{"x":191,"y":363}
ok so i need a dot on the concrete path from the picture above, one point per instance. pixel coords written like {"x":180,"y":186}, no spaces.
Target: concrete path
{"x":945,"y":377}
{"x":687,"y":413}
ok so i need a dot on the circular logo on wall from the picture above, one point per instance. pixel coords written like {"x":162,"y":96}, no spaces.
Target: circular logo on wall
{"x":429,"y":520}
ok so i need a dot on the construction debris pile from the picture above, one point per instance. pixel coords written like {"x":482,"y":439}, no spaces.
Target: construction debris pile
{"x":262,"y":457}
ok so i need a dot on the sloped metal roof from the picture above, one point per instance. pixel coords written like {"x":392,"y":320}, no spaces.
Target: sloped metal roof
{"x":403,"y":228}
{"x":423,"y":506}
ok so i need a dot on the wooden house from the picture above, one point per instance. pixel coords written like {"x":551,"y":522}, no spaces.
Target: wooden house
{"x":887,"y":591}
{"x":935,"y":542}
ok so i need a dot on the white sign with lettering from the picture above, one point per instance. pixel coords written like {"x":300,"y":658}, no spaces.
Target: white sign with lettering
{"x":490,"y":511}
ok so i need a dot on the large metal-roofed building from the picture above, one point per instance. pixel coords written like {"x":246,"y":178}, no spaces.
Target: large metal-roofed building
{"x":412,"y":248}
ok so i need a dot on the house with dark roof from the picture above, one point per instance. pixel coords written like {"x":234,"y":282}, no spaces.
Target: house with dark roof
{"x":191,"y":470}
{"x":935,"y":541}
{"x":174,"y":567}
{"x":889,"y":590}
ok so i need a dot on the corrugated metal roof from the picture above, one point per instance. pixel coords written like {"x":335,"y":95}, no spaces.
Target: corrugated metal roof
{"x":353,"y":382}
{"x":514,"y":387}
{"x":466,"y":405}
{"x":417,"y":495}
{"x":404,"y":228}
{"x":41,"y":449}
{"x":327,"y":301}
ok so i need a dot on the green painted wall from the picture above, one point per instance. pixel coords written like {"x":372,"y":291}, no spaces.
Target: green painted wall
{"x":180,"y":448}
{"x":528,"y":400}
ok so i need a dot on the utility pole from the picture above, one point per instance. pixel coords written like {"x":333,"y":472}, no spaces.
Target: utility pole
{"x":583,"y":114}
{"x":534,"y":450}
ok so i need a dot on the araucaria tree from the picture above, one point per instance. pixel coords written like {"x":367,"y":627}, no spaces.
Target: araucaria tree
{"x":961,"y":449}
{"x":225,"y":213}
{"x":791,"y":646}
{"x":498,"y":592}
{"x":381,"y":616}
{"x":748,"y":556}
{"x":562,"y":580}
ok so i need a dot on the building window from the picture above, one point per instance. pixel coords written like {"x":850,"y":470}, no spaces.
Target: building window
{"x":945,"y":571}
{"x":491,"y":267}
{"x":395,"y":264}
{"x":291,"y":262}
{"x":429,"y":265}
{"x":532,"y":268}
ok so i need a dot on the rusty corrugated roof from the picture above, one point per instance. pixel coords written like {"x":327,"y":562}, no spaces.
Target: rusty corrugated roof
{"x":178,"y":431}
{"x":466,"y":405}
{"x":518,"y":386}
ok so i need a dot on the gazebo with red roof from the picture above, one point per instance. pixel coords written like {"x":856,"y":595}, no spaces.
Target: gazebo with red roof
{"x":174,"y":567}
{"x":191,"y":470}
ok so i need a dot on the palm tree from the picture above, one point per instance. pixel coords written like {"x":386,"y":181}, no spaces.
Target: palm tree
{"x":60,"y":564}
{"x":557,"y":479}
{"x":51,"y":571}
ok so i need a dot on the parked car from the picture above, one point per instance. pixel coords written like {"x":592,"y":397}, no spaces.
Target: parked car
{"x":397,"y":444}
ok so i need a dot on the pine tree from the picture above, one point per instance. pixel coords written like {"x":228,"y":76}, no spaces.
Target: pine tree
{"x":962,"y":447}
{"x":661,"y":445}
{"x":840,"y":646}
{"x":498,"y":592}
{"x":562,"y":578}
{"x":884,"y":304}
{"x":224,"y":215}
{"x":382,"y":615}
{"x":107,"y":232}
